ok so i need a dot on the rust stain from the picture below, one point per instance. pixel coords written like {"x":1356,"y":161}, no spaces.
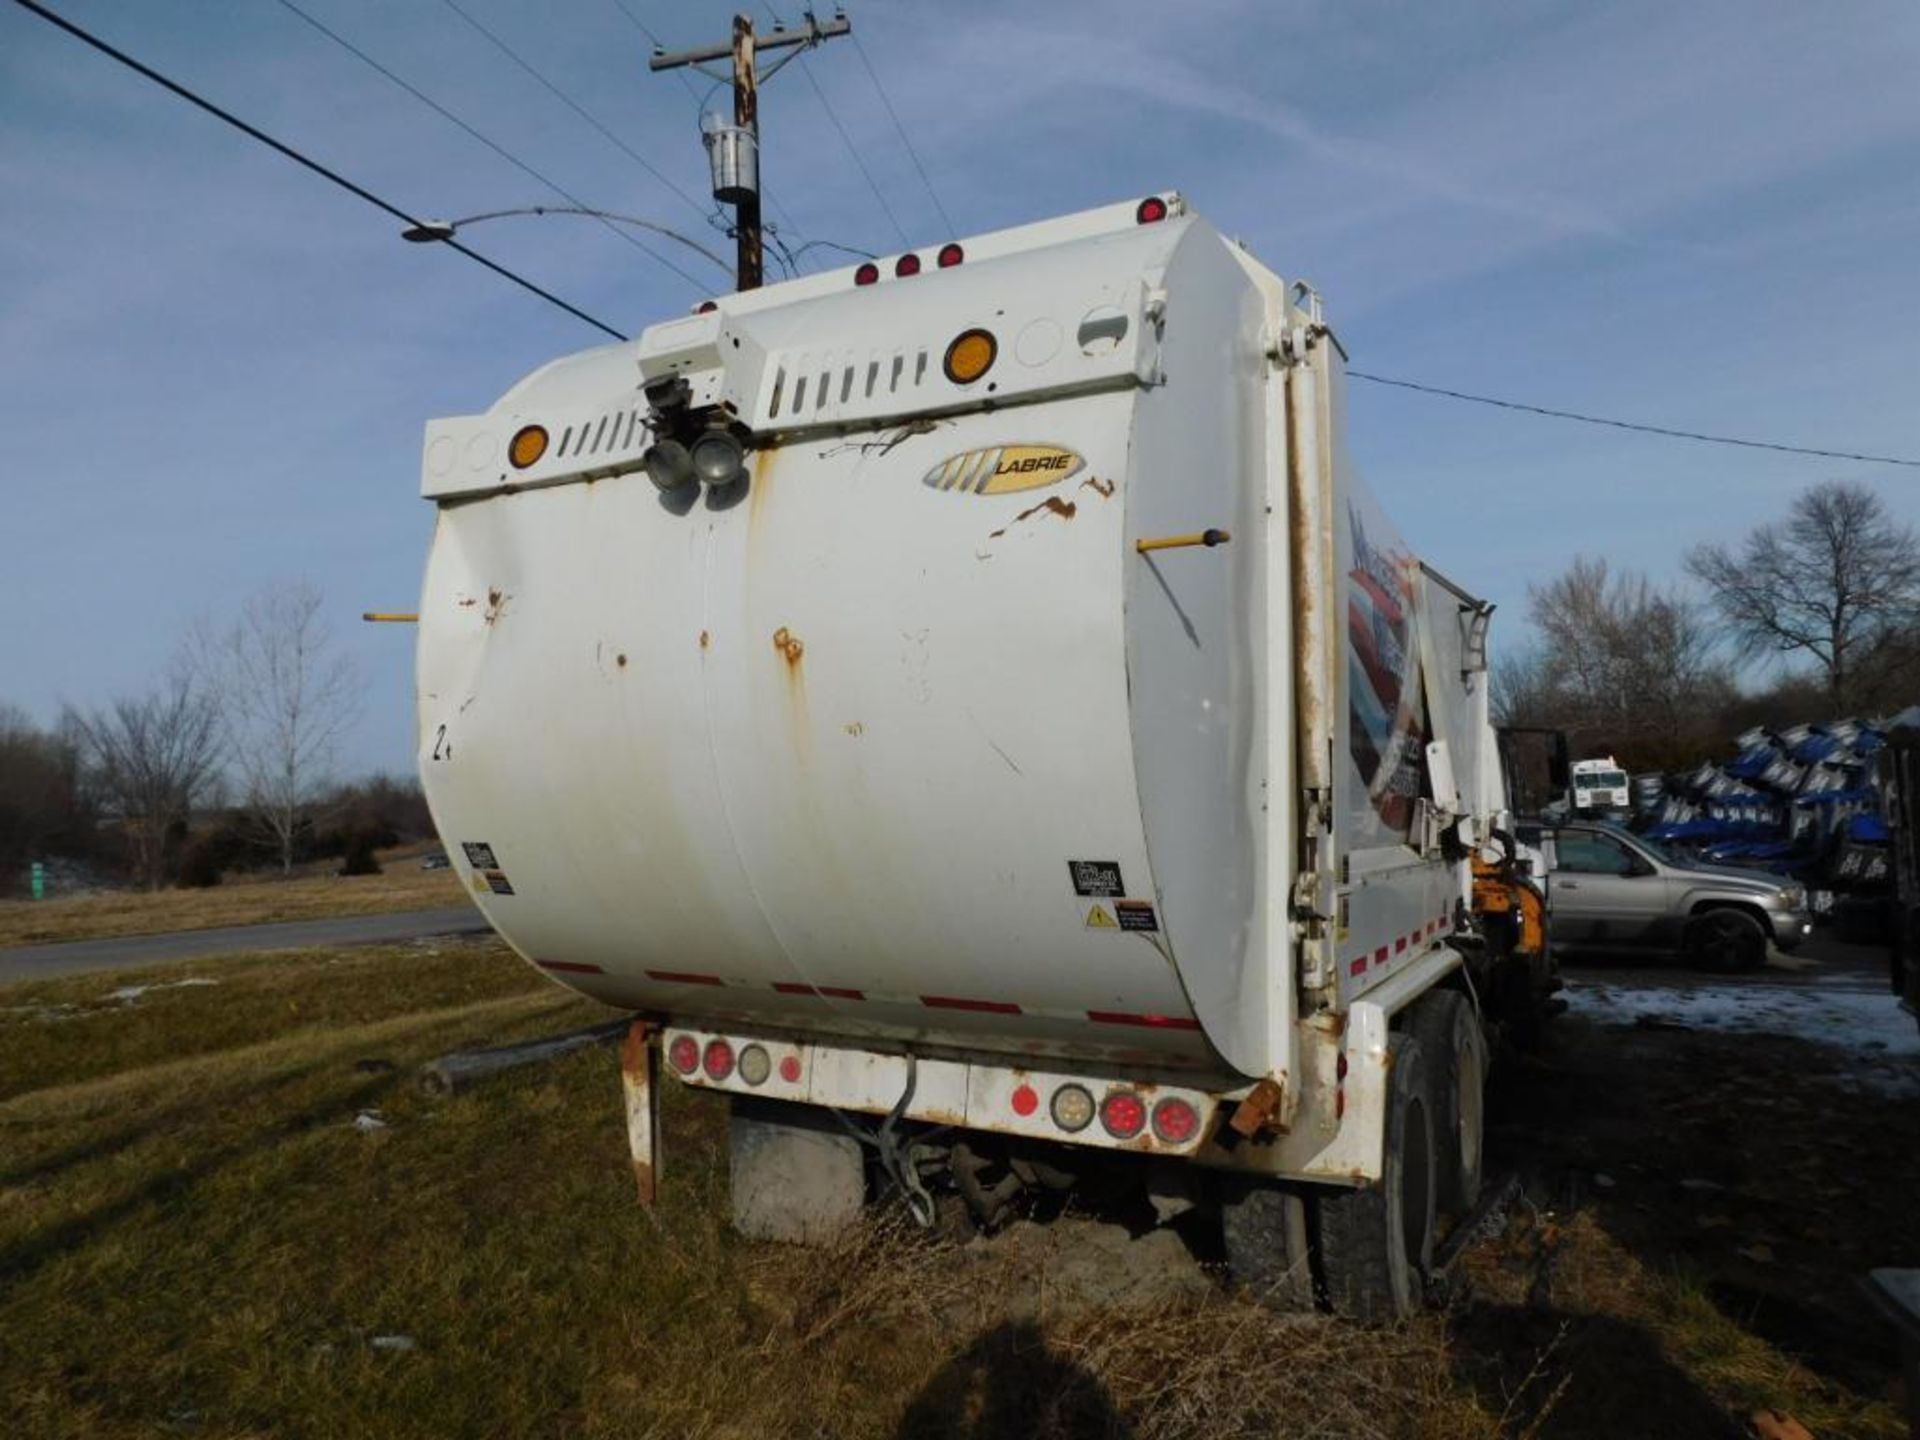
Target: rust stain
{"x":620,"y":660}
{"x":468,"y":603}
{"x":643,"y":1182}
{"x":1102,"y":488}
{"x":856,"y":729}
{"x":1258,"y":1111}
{"x":789,"y":645}
{"x":496,"y":604}
{"x":706,"y":639}
{"x":1065,"y":509}
{"x":763,"y":467}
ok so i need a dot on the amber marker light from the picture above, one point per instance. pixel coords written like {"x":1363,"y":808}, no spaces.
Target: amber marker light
{"x":528,"y":445}
{"x":970,"y":356}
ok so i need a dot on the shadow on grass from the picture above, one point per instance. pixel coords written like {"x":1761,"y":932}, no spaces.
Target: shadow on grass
{"x":1009,"y":1384}
{"x":21,"y":1261}
{"x":1557,"y":1376}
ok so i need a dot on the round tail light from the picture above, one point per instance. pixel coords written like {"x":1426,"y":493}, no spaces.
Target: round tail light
{"x":706,"y":307}
{"x":1151,"y":209}
{"x":756,"y":1065}
{"x":951,"y":255}
{"x":718,"y":1060}
{"x":1072,"y":1108}
{"x":790,"y":1069}
{"x":867,"y":274}
{"x":907,"y":264}
{"x":1175,"y":1121}
{"x":1123,"y":1114}
{"x":684,"y":1054}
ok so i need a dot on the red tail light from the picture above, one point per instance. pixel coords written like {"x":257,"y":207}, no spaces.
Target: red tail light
{"x":1174,"y":1121}
{"x":1151,"y":209}
{"x":908,"y":264}
{"x":1026,"y":1100}
{"x":684,"y":1054}
{"x":1124,"y":1114}
{"x":951,"y":255}
{"x":866,"y":274}
{"x":790,"y":1069}
{"x":718,"y":1060}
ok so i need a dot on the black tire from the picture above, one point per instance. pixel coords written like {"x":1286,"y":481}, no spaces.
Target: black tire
{"x":1376,"y":1243}
{"x":1264,"y":1225}
{"x":1726,"y":940}
{"x":1455,"y":1052}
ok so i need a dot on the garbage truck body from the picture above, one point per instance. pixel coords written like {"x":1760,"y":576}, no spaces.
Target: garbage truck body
{"x":976,"y":691}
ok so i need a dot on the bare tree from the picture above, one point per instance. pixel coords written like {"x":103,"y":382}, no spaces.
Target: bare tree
{"x":1618,"y":662}
{"x":148,"y":760}
{"x":1837,"y":580}
{"x":285,"y":697}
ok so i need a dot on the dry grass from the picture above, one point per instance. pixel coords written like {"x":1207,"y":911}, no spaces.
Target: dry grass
{"x":196,"y":1240}
{"x":250,"y":901}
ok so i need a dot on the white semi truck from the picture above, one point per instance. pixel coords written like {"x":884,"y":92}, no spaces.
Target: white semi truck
{"x":970,"y":710}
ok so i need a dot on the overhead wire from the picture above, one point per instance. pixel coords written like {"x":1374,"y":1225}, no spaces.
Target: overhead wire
{"x":1668,"y":431}
{"x":574,"y":105}
{"x":854,"y":151}
{"x":905,"y":139}
{"x":254,"y":132}
{"x":491,"y":144}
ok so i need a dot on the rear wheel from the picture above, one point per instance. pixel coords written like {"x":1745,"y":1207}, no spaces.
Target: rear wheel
{"x":1376,"y":1243}
{"x":1727,"y":940}
{"x":1455,"y":1053}
{"x":1264,"y":1225}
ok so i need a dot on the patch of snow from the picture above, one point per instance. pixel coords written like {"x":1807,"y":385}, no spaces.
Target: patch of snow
{"x":393,"y":1342}
{"x":368,"y":1121}
{"x":1867,"y":1025}
{"x":127,"y":994}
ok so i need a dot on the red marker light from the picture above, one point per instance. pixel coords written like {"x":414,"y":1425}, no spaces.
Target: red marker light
{"x":1175,"y":1121}
{"x":1151,"y":209}
{"x":718,"y":1060}
{"x":1026,"y":1100}
{"x":907,"y":264}
{"x":1123,"y":1114}
{"x":951,"y":255}
{"x":684,"y":1054}
{"x":706,"y":307}
{"x":790,"y":1069}
{"x":867,"y":274}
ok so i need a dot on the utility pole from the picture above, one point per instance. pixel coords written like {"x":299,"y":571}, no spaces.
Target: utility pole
{"x":735,"y":151}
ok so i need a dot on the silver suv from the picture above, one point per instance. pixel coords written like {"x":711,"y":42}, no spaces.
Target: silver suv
{"x":1608,"y":888}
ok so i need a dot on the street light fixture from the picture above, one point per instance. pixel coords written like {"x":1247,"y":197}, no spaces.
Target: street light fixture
{"x":430,"y":230}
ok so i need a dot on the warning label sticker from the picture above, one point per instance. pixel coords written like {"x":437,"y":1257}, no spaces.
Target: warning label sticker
{"x":1101,"y":918}
{"x":497,"y":882}
{"x":479,"y":854}
{"x":1099,"y":878}
{"x":1136,"y":915}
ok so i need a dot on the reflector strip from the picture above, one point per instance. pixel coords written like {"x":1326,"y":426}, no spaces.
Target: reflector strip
{"x":570,"y":967}
{"x":1155,"y":1022}
{"x":678,"y":977}
{"x":1358,"y":967}
{"x":1399,"y":945}
{"x":830,"y":992}
{"x":987,"y":1007}
{"x":1380,"y":956}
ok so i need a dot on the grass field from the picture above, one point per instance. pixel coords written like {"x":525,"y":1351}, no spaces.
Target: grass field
{"x":197,"y":1240}
{"x":403,"y":885}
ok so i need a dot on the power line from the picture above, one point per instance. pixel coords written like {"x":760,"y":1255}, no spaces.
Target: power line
{"x":492,"y":145}
{"x":573,"y":105}
{"x":854,"y":151}
{"x":905,"y":139}
{"x":1630,"y":425}
{"x":315,"y":166}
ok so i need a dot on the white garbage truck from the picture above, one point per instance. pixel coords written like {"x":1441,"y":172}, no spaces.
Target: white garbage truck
{"x":969,"y":709}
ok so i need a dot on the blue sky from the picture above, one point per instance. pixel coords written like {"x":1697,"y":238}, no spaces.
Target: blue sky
{"x":214,"y":368}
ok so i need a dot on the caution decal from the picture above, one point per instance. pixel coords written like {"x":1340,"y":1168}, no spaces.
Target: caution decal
{"x":1003,"y":469}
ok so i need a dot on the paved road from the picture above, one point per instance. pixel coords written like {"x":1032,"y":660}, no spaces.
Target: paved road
{"x":1823,"y":961}
{"x":37,"y":962}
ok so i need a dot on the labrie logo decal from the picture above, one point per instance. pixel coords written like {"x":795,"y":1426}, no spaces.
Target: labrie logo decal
{"x":1003,"y":469}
